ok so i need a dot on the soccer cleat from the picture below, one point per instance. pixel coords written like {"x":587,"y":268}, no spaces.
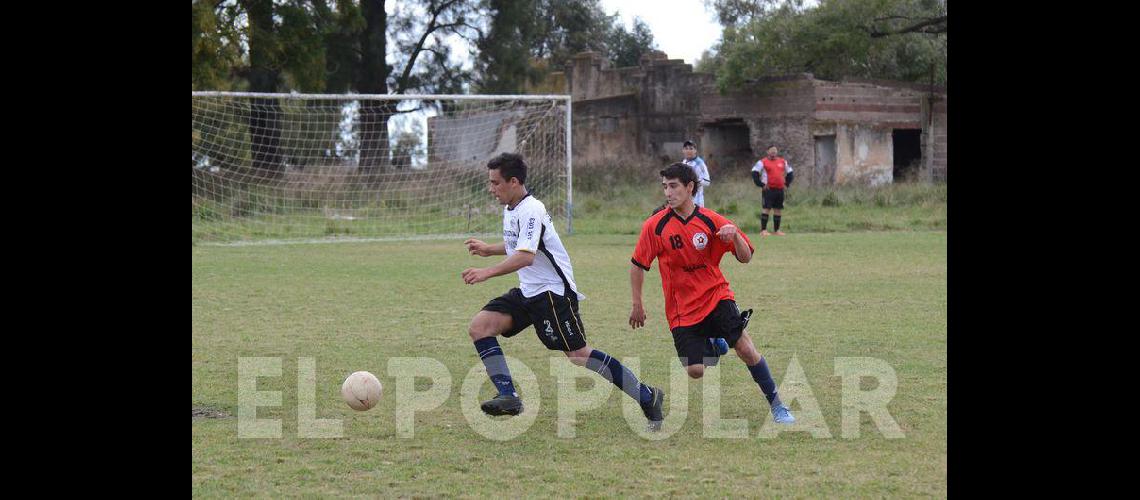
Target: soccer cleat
{"x":713,"y":351}
{"x":720,"y":346}
{"x":503,"y":405}
{"x":779,"y":233}
{"x":653,"y":409}
{"x":782,"y":414}
{"x":764,"y":233}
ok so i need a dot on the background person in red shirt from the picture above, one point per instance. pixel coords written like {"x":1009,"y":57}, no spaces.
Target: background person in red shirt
{"x":773,"y":174}
{"x":689,"y":242}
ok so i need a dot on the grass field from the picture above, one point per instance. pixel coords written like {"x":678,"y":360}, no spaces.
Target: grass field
{"x":894,"y":207}
{"x":818,"y":296}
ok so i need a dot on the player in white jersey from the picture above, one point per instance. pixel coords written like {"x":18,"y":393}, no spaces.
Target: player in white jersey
{"x":691,"y":159}
{"x":546,"y":298}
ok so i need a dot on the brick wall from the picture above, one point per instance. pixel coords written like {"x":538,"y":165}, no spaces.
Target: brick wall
{"x":649,"y":109}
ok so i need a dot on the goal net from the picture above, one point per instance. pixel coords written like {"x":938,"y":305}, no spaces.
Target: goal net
{"x":297,"y":167}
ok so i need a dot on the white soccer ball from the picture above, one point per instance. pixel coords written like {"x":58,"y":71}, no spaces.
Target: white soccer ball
{"x":361,"y":390}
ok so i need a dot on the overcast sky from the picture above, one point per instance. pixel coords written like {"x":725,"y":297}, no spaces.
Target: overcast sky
{"x":681,"y":28}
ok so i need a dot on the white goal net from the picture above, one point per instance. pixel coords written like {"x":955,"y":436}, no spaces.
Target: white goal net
{"x":300,"y":167}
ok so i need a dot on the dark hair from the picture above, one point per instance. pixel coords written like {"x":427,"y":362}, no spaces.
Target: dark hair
{"x":689,"y":143}
{"x":509,"y":165}
{"x":683,"y":173}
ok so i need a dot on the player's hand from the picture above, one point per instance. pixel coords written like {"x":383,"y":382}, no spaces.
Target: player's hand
{"x":474,"y":275}
{"x":637,"y":316}
{"x":476,"y":247}
{"x":727,"y":233}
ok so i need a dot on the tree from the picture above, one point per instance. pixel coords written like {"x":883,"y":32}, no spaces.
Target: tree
{"x":527,"y":39}
{"x":567,"y":27}
{"x":372,"y":78}
{"x":409,"y":145}
{"x":213,"y":53}
{"x":504,"y":62}
{"x":624,"y":48}
{"x":264,"y":76}
{"x":423,"y":63}
{"x":740,"y":12}
{"x":328,"y":46}
{"x":883,"y":39}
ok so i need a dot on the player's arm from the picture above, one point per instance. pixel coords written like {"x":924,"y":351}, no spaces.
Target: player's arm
{"x":743,"y":251}
{"x":790,"y":174}
{"x":703,"y":175}
{"x":643,"y":255}
{"x":509,"y":265}
{"x":740,"y":247}
{"x":482,"y":249}
{"x":637,"y":312}
{"x":757,"y":176}
{"x":530,"y":237}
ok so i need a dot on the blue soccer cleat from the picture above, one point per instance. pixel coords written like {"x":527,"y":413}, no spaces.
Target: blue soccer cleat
{"x":782,"y":414}
{"x":720,"y":346}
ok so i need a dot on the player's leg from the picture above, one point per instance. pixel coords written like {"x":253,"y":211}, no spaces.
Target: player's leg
{"x":777,"y":210}
{"x":570,"y":338}
{"x":730,"y":323}
{"x":504,"y":315}
{"x":767,"y":196}
{"x":611,"y":369}
{"x":651,"y":399}
{"x":758,"y":367}
{"x":690,"y":346}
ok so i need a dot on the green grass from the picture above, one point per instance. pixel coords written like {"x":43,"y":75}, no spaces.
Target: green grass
{"x":894,"y":207}
{"x":617,"y":207}
{"x":818,"y":296}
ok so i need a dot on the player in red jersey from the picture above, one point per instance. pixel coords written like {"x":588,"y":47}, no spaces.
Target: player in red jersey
{"x":689,"y":242}
{"x":774,"y":175}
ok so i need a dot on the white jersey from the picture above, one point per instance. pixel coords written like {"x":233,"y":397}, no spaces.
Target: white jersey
{"x":703,"y":178}
{"x":528,"y":228}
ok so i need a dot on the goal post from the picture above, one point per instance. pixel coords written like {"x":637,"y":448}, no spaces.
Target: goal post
{"x":329,"y":167}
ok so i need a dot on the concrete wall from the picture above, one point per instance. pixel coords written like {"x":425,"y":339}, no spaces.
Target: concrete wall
{"x":604,"y":126}
{"x":777,"y":112}
{"x":670,"y":105}
{"x":648,"y":110}
{"x":726,"y":146}
{"x":863,"y":113}
{"x":934,"y":155}
{"x":865,"y":155}
{"x":659,"y":103}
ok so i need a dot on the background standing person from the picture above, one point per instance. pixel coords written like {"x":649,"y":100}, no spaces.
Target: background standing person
{"x":773,"y":174}
{"x":691,"y":159}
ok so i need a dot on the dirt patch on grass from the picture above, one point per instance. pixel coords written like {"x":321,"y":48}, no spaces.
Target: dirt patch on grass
{"x":207,"y":412}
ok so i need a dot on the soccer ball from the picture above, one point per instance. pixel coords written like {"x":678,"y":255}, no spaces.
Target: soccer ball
{"x":361,"y":390}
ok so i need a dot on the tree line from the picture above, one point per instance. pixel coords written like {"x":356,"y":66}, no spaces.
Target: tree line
{"x":511,"y":46}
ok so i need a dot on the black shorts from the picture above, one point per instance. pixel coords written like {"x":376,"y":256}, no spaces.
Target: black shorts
{"x":774,"y":198}
{"x":555,"y":318}
{"x":724,"y":322}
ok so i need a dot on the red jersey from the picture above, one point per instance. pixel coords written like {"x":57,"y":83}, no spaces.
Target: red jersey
{"x":690,"y":254}
{"x":775,"y":170}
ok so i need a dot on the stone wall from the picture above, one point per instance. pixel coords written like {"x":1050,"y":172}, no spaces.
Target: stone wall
{"x":650,"y":109}
{"x":864,"y":113}
{"x":605,"y":129}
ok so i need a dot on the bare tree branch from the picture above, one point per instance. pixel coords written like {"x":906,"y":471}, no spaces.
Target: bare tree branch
{"x":402,"y":111}
{"x":433,"y":51}
{"x":432,"y":27}
{"x":888,"y":18}
{"x":915,"y":28}
{"x":443,"y":7}
{"x":402,"y":81}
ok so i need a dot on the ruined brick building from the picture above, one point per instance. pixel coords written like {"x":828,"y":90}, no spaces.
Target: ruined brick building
{"x":853,"y":131}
